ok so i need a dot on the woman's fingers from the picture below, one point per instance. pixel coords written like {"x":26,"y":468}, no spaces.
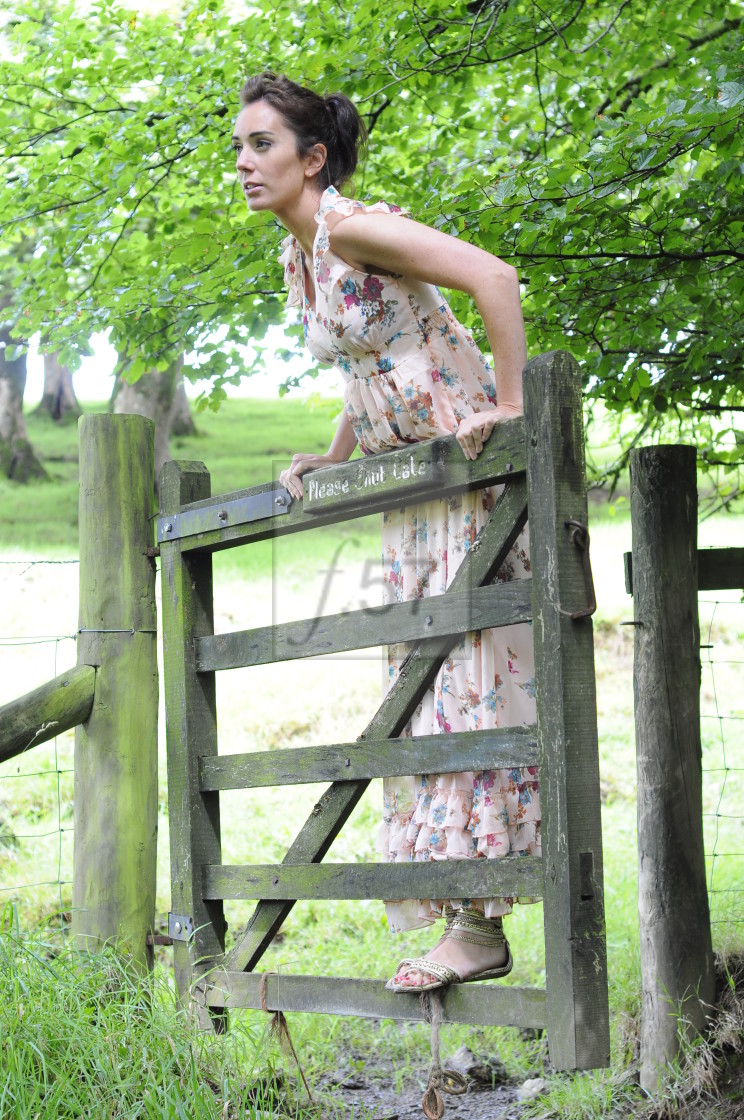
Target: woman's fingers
{"x":473,"y":433}
{"x":291,"y":478}
{"x":471,"y":444}
{"x":291,"y":482}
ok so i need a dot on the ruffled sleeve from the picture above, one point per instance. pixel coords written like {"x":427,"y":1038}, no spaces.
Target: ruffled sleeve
{"x":334,"y":203}
{"x":331,"y":269}
{"x":290,"y":260}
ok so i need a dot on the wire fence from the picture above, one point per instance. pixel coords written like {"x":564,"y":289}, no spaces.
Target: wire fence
{"x":37,"y":643}
{"x":722,"y":729}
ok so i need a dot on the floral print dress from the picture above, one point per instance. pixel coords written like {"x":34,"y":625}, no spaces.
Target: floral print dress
{"x":412,"y":372}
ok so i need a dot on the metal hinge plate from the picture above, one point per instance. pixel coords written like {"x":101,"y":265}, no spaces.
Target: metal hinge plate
{"x":220,"y":515}
{"x":180,"y":927}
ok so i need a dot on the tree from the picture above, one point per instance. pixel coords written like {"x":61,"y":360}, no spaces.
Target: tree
{"x":17,"y":458}
{"x":182,"y":422}
{"x":58,"y":398}
{"x":609,"y":175}
{"x":154,"y":395}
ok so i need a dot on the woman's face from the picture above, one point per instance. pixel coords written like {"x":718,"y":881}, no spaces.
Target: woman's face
{"x":270,"y":171}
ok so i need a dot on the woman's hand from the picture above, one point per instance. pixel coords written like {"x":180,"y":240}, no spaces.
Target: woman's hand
{"x":475,"y":429}
{"x":340,"y":451}
{"x":291,"y":479}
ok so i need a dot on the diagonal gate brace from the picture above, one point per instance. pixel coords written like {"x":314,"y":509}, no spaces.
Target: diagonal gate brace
{"x":420,"y":668}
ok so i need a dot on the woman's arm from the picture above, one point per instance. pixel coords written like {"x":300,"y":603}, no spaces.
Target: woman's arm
{"x":342,"y":446}
{"x":400,"y":245}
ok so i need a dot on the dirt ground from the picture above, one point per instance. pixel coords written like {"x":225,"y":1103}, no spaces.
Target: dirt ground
{"x":713,"y":1089}
{"x":366,"y":1098}
{"x":374,"y":1095}
{"x":377,"y":1103}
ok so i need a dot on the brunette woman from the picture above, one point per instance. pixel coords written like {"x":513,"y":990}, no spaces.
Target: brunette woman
{"x":365,"y":277}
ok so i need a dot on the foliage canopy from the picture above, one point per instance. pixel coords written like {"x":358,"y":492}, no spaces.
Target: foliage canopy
{"x":597,"y":146}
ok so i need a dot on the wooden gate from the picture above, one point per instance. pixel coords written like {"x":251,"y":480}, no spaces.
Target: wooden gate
{"x":541,"y":462}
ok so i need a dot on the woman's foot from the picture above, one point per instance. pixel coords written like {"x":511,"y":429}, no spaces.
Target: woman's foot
{"x":466,"y":960}
{"x":470,"y":947}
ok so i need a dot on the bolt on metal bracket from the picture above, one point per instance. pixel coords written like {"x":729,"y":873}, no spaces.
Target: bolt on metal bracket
{"x":222,"y":514}
{"x":180,"y":927}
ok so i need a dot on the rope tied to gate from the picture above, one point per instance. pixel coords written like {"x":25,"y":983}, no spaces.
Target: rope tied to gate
{"x":279,"y":1029}
{"x":439,"y":1081}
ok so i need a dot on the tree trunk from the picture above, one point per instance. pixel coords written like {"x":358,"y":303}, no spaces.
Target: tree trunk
{"x":155,"y":397}
{"x":58,"y":398}
{"x":18,"y":460}
{"x":183,"y":422}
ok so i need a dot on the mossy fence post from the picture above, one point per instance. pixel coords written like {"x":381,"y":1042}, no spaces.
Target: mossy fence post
{"x":116,"y":777}
{"x":678,"y":985}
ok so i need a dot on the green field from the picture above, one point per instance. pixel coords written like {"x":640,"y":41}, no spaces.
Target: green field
{"x":243,"y":444}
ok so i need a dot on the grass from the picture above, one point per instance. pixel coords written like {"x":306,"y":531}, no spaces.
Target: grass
{"x":267,"y":709}
{"x":245,"y":443}
{"x":86,"y":1036}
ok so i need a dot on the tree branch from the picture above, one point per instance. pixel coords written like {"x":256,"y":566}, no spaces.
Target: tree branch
{"x":633,"y":85}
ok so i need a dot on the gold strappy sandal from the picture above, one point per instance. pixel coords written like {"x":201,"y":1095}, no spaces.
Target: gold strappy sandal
{"x":462,"y":925}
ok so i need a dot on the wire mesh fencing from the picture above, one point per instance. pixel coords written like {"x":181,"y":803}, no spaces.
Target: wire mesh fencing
{"x":722,"y":730}
{"x":37,"y":643}
{"x":38,"y":621}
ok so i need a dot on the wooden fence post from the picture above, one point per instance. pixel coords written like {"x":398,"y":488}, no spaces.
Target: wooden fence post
{"x":573,"y":890}
{"x":116,"y":775}
{"x":676,"y":952}
{"x":191,"y":735}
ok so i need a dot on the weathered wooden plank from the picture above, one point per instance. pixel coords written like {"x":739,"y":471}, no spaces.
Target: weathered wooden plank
{"x":481,"y":1004}
{"x":576,"y":969}
{"x":718,"y":569}
{"x":502,"y":458}
{"x":450,"y":614}
{"x":434,"y":467}
{"x":471,"y":878}
{"x":328,"y":816}
{"x":456,"y":752}
{"x":676,"y":952}
{"x":116,"y":747}
{"x":46,"y":711}
{"x":191,"y":730}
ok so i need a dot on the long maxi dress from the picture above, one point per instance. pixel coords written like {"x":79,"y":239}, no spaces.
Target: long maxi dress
{"x":411,"y":373}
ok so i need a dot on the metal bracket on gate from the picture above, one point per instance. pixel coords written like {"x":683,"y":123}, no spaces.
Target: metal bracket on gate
{"x":180,"y":927}
{"x":220,"y":515}
{"x":580,"y":537}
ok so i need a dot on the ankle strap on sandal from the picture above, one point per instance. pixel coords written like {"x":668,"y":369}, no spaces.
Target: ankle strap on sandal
{"x":472,"y":926}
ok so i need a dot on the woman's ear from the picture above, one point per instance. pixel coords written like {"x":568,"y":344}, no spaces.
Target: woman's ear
{"x":316,"y":160}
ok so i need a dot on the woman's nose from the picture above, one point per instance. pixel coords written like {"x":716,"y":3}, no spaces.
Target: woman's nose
{"x":244,"y":161}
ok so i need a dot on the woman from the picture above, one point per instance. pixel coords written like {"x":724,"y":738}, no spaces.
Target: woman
{"x":365,"y":277}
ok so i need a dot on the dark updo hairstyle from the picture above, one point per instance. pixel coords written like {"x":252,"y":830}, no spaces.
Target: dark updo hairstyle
{"x":332,"y":120}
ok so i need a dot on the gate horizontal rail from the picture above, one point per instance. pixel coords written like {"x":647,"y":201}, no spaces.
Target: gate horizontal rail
{"x":480,"y":1004}
{"x":371,"y":758}
{"x":439,"y":616}
{"x":502,"y":458}
{"x":479,"y":878}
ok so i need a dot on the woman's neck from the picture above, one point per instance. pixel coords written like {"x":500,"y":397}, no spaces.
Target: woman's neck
{"x":299,"y":219}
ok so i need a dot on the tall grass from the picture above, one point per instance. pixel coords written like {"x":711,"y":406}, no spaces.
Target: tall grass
{"x":86,"y":1036}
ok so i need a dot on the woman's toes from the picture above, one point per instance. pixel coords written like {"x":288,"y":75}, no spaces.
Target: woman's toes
{"x":411,"y":979}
